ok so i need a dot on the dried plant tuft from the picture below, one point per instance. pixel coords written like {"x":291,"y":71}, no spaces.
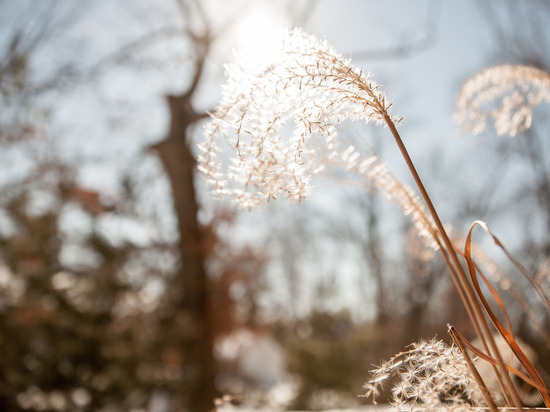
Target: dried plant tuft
{"x":430,"y":374}
{"x":505,"y":95}
{"x":307,"y":88}
{"x":279,"y":121}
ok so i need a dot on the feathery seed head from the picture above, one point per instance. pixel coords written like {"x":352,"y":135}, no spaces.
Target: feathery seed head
{"x":431,"y":374}
{"x":306,"y":90}
{"x":505,"y":95}
{"x":306,"y":87}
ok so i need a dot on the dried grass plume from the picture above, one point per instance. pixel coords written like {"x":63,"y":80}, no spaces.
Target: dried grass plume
{"x":505,"y":95}
{"x":279,"y":119}
{"x":431,"y":374}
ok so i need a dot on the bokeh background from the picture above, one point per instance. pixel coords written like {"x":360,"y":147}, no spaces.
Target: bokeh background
{"x":125,"y":284}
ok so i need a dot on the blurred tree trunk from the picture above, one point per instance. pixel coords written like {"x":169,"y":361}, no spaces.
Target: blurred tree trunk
{"x":191,"y":297}
{"x":373,"y":252}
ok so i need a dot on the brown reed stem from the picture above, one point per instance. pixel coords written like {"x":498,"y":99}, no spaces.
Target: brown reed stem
{"x":484,"y":390}
{"x":460,"y":278}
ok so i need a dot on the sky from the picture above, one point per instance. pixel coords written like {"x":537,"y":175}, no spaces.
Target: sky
{"x":423,"y":83}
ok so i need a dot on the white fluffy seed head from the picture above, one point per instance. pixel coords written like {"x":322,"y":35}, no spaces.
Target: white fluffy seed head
{"x":431,"y":374}
{"x":306,"y":89}
{"x":278,"y":121}
{"x":505,"y":95}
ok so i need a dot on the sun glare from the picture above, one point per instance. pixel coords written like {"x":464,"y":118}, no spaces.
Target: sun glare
{"x":259,"y":34}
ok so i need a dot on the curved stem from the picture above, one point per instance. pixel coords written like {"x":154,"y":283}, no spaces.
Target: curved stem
{"x":460,"y":278}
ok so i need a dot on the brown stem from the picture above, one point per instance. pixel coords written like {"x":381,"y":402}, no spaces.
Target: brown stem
{"x":484,"y":390}
{"x":462,"y":283}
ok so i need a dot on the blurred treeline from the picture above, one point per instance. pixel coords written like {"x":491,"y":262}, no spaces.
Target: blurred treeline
{"x":123,"y":288}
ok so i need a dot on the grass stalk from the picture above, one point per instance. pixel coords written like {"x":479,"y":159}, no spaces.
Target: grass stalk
{"x":460,"y":278}
{"x":484,"y":390}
